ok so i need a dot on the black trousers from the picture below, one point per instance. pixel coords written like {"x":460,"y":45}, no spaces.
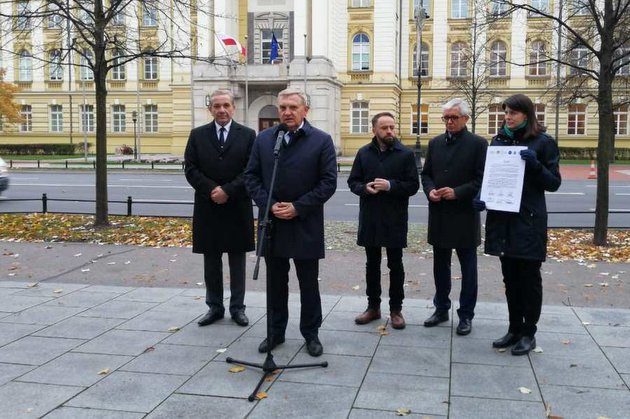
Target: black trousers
{"x":307,"y":271}
{"x":442,"y":276}
{"x":213,"y":276}
{"x":523,"y":290}
{"x":373,"y":277}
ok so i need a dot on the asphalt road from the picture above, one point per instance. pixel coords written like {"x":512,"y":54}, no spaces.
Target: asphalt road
{"x":160,"y":187}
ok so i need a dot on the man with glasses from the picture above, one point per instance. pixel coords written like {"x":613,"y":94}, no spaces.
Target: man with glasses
{"x":451,"y":178}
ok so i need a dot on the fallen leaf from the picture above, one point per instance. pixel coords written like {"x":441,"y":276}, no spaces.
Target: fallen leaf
{"x":32,"y":285}
{"x":58,"y":291}
{"x":149,"y":349}
{"x":604,"y":273}
{"x":261,"y":395}
{"x":173,"y":329}
{"x":402,"y":411}
{"x":588,"y":285}
{"x":12,"y":274}
{"x":566,"y":341}
{"x":77,"y":255}
{"x":85,"y":270}
{"x":538,"y":350}
{"x":524,"y":390}
{"x":128,"y":262}
{"x":200,"y":283}
{"x":586,"y":323}
{"x":356,"y":287}
{"x":603,"y":284}
{"x":603,"y":417}
{"x":111,"y":263}
{"x":384,"y":333}
{"x":221,"y":350}
{"x":104,"y":371}
{"x":381,"y":328}
{"x":501,"y":349}
{"x":236,"y":369}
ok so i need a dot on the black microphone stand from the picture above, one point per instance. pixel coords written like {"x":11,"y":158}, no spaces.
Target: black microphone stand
{"x":269,"y":365}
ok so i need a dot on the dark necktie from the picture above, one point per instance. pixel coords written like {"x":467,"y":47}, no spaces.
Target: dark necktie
{"x":222,"y":136}
{"x":291,"y":136}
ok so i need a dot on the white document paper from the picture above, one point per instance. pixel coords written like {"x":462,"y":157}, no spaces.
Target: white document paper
{"x":503,"y":176}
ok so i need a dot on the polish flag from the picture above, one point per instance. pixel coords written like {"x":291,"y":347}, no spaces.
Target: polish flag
{"x":230,"y":41}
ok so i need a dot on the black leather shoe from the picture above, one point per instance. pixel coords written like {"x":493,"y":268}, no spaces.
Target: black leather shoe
{"x":524,"y":345}
{"x":275,"y":341}
{"x":240,"y":318}
{"x":210,"y":317}
{"x":314,"y":347}
{"x":506,"y":341}
{"x":464,"y":327}
{"x":440,"y":316}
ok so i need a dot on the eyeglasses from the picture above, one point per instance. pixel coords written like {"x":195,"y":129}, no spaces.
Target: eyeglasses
{"x":453,"y":118}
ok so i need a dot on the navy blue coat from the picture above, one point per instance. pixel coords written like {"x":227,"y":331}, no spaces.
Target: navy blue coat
{"x":523,"y":235}
{"x":227,"y":227}
{"x":383,"y":216}
{"x":307,"y":177}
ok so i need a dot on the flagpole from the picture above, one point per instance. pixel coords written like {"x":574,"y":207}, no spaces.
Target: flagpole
{"x":305,"y":63}
{"x":246,"y":86}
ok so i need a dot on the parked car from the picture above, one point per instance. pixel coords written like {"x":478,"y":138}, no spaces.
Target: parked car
{"x":4,"y":175}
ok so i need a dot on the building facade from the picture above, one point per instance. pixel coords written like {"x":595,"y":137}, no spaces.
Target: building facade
{"x":354,"y":58}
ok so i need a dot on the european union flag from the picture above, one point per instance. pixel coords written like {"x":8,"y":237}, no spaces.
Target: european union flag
{"x":273,"y":55}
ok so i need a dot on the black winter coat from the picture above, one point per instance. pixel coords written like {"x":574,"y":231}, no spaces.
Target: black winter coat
{"x":307,"y":177}
{"x":457,"y":164}
{"x":383,"y":216}
{"x":227,"y":227}
{"x":523,"y":235}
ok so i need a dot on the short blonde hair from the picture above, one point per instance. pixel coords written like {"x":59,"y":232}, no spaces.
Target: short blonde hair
{"x":290,"y":91}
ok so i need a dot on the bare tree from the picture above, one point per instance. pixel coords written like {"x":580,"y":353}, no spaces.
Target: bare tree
{"x":104,"y":35}
{"x":595,"y":54}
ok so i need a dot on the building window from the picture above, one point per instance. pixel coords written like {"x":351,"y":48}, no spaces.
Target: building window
{"x":361,"y":3}
{"x":495,"y":118}
{"x":149,"y":14}
{"x":458,"y":60}
{"x":459,"y":9}
{"x":85,"y":72}
{"x":540,"y":5}
{"x":86,"y":11}
{"x":265,"y":44}
{"x":150,"y":118}
{"x":498,"y":57}
{"x":424,"y":60}
{"x":118,"y":69}
{"x":624,"y":63}
{"x":498,"y":8}
{"x":360,"y":120}
{"x":537,"y":57}
{"x":55,"y":19}
{"x":577,"y":120}
{"x":56,"y":118}
{"x":87,"y":118}
{"x":621,"y":120}
{"x":119,"y":19}
{"x":55,"y":70}
{"x":360,"y":52}
{"x":26,"y":66}
{"x":424,"y":118}
{"x":26,"y":112}
{"x":426,"y":4}
{"x":150,"y":67}
{"x":580,"y":7}
{"x":119,"y":123}
{"x":539,"y":108}
{"x":23,"y":21}
{"x":578,"y":59}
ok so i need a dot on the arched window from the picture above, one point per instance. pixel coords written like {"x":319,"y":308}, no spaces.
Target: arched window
{"x":26,"y":66}
{"x":424,"y":60}
{"x":498,"y":56}
{"x":537,"y":57}
{"x":55,"y":71}
{"x":458,"y":60}
{"x":86,"y":72}
{"x":579,"y":60}
{"x":360,"y":52}
{"x":150,"y":63}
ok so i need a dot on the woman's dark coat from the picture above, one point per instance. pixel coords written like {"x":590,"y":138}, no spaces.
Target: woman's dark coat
{"x":457,"y":163}
{"x":383,"y":216}
{"x":523,"y":235}
{"x":307,"y":177}
{"x":227,"y":227}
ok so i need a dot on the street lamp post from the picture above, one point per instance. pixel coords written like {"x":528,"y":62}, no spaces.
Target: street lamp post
{"x":420,"y":15}
{"x":134,"y":118}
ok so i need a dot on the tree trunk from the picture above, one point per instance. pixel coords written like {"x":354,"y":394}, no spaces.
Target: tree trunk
{"x":606,"y":135}
{"x":101,"y":217}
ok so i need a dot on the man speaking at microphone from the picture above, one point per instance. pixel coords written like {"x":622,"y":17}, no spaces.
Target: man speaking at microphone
{"x":306,"y":179}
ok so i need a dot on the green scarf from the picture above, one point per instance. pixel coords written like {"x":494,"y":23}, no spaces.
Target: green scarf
{"x":510,"y":133}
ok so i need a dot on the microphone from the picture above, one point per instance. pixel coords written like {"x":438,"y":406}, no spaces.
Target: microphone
{"x":281,"y":130}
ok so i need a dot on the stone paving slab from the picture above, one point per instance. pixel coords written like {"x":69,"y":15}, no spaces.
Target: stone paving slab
{"x":52,"y":369}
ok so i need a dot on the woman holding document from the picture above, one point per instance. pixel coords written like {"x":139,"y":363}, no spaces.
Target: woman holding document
{"x":520,"y":238}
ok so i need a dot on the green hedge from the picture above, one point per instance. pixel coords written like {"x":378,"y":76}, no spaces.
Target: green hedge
{"x":41,"y":149}
{"x":590,"y":153}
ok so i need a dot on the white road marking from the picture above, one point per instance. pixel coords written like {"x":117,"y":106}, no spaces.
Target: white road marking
{"x":610,"y":186}
{"x":78,"y":185}
{"x":613,"y":209}
{"x":410,"y":206}
{"x":565,"y":193}
{"x":136,"y":179}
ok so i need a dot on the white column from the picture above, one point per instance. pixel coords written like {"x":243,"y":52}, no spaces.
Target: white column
{"x":440,"y":48}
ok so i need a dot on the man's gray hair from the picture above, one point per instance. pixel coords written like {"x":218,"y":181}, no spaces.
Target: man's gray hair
{"x":464,"y":109}
{"x":294,"y":91}
{"x":222,"y":92}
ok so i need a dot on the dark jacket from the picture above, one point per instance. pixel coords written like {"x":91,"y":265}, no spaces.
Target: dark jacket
{"x":307,"y":177}
{"x":457,"y":163}
{"x":227,"y":227}
{"x":383,"y":216}
{"x":523,"y":235}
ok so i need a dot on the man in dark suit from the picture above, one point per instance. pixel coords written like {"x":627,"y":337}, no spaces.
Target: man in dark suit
{"x":451,"y":178}
{"x":307,"y":178}
{"x":215,"y":157}
{"x":384,"y":174}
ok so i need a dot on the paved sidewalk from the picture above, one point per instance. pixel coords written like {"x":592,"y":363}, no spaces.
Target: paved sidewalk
{"x":98,"y":351}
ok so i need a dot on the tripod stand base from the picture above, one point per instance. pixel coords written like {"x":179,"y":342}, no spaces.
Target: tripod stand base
{"x":268,"y":367}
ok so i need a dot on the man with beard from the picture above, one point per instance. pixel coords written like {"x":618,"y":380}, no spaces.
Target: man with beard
{"x":384,"y":175}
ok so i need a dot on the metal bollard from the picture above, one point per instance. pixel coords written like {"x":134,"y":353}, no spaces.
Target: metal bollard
{"x":338,"y":167}
{"x":94,"y":164}
{"x":129,"y":204}
{"x":152,"y":165}
{"x":38,"y":163}
{"x":123,"y":164}
{"x":66,"y":164}
{"x":44,"y":204}
{"x":10,"y":164}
